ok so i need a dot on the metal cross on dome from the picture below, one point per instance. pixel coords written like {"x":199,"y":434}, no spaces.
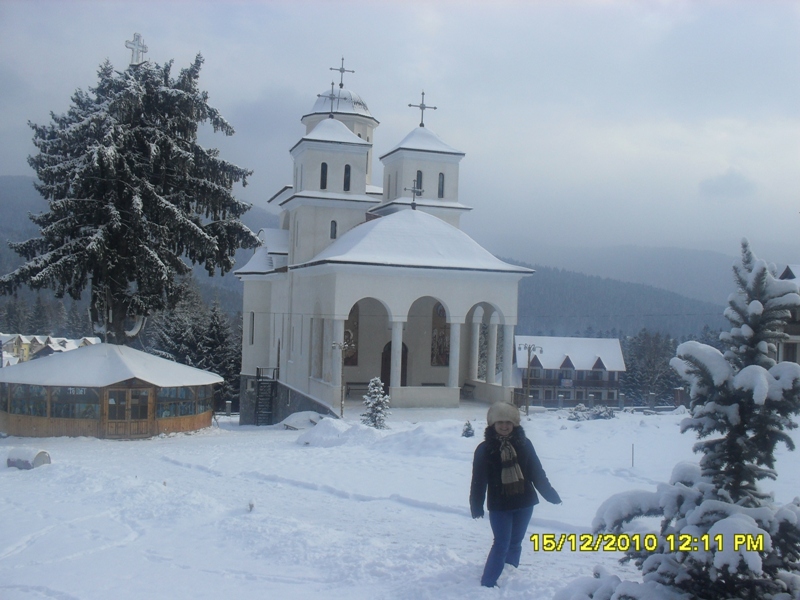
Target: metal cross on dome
{"x":342,"y":71}
{"x":415,"y":191}
{"x":422,"y":106}
{"x":331,"y":97}
{"x":137,"y":48}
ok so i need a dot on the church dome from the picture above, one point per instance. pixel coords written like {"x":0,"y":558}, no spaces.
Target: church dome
{"x":346,"y":102}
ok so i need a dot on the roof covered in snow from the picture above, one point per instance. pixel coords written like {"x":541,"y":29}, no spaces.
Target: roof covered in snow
{"x":332,"y":131}
{"x":424,"y":140}
{"x":411,"y":238}
{"x":346,"y":102}
{"x":583,"y":353}
{"x":101,"y":365}
{"x":791,"y":272}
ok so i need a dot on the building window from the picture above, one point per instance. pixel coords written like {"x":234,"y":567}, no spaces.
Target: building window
{"x":252,"y":327}
{"x":441,"y":185}
{"x":323,"y":176}
{"x":790,"y":352}
{"x":333,"y":230}
{"x":346,"y":186}
{"x":419,"y":180}
{"x":389,"y":187}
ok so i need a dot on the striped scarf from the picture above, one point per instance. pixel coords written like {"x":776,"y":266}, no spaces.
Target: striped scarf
{"x":511,"y":474}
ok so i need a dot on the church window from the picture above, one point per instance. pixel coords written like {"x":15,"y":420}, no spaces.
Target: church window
{"x":252,"y":327}
{"x":333,"y":230}
{"x":419,"y":180}
{"x":389,"y":187}
{"x":346,"y":185}
{"x":441,"y":185}
{"x":395,"y":184}
{"x":323,"y":176}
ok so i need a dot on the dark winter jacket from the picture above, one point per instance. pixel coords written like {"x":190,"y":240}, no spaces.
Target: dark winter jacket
{"x":486,"y":475}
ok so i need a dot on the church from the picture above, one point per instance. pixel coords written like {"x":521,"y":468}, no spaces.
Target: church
{"x":362,"y":281}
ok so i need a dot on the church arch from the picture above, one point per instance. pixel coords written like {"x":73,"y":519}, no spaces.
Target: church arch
{"x":427,"y":336}
{"x":368,"y":330}
{"x":323,"y":176}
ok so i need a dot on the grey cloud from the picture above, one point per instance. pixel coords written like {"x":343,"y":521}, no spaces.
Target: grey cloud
{"x":731,"y":184}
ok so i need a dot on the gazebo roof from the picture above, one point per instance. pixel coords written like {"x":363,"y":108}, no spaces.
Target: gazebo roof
{"x":102,"y":365}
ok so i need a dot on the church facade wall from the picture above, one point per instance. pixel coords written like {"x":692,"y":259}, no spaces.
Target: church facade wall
{"x":403,"y":167}
{"x":311,"y":226}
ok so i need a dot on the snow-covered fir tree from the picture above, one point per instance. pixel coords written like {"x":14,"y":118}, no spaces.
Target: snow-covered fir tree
{"x":377,"y":405}
{"x":77,"y":324}
{"x":468,"y":430}
{"x":133,"y":198}
{"x":222,"y":355}
{"x":39,"y":319}
{"x":742,"y":404}
{"x":179,"y":334}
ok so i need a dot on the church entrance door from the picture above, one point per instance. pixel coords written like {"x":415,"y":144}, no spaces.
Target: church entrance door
{"x":386,"y":367}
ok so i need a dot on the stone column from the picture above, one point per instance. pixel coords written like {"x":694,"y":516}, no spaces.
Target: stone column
{"x":508,"y":353}
{"x":455,"y":355}
{"x":337,"y":354}
{"x":475,"y":345}
{"x":397,"y":354}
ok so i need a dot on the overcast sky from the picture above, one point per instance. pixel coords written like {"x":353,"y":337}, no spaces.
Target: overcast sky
{"x":584,"y":123}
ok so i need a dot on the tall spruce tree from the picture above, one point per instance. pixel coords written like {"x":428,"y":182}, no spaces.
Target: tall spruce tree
{"x":742,"y":405}
{"x":179,"y":333}
{"x":133,"y":197}
{"x":222,"y":355}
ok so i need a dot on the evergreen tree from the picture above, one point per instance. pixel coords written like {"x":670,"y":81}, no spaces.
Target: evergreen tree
{"x":59,"y":319}
{"x":39,"y":319}
{"x":179,"y":334}
{"x":16,"y":316}
{"x":77,"y":323}
{"x":742,"y":404}
{"x":133,"y":198}
{"x":647,"y":356}
{"x":222,"y":355}
{"x":467,"y":431}
{"x":377,"y":405}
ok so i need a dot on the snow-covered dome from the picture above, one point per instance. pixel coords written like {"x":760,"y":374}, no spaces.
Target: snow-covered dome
{"x":331,"y":130}
{"x":345,"y":102}
{"x":412,"y":238}
{"x":423,"y":139}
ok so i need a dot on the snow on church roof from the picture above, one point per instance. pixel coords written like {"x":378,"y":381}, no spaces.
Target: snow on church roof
{"x":424,"y":140}
{"x":331,"y":130}
{"x":101,"y":365}
{"x":583,"y":353}
{"x":345,"y":102}
{"x":411,"y":238}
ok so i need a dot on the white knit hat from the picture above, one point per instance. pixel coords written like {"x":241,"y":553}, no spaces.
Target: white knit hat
{"x":502,"y":411}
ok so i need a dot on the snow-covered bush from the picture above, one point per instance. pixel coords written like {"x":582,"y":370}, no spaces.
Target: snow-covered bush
{"x":468,"y":431}
{"x":582,"y":413}
{"x":742,"y":403}
{"x":377,"y":404}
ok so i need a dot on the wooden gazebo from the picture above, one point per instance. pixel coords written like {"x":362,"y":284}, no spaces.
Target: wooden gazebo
{"x":104,"y":391}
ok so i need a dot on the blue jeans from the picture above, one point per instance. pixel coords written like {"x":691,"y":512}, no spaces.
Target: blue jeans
{"x":508,"y":527}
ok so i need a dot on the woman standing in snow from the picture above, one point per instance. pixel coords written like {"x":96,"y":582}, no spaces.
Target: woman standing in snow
{"x":506,"y":463}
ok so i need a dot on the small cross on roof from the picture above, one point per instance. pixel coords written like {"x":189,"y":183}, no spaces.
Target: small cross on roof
{"x":342,"y":71}
{"x":422,"y":106}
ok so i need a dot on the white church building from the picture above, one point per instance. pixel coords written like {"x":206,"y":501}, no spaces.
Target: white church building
{"x":361,"y":281}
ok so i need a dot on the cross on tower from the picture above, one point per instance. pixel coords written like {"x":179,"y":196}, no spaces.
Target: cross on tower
{"x":342,"y":71}
{"x":422,"y":106}
{"x":330,"y":97}
{"x":137,"y":48}
{"x":415,"y":191}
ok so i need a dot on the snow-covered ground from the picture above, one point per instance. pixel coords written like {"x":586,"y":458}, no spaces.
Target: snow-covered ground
{"x":251,"y":513}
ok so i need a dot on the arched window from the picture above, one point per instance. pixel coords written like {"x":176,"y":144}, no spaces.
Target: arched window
{"x":441,"y":185}
{"x":323,"y":176}
{"x":419,"y":180}
{"x":333,"y":230}
{"x":346,"y":185}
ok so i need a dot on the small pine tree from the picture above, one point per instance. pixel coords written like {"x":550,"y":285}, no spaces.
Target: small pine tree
{"x":377,"y":405}
{"x":742,"y":403}
{"x":223,"y":355}
{"x":468,"y":431}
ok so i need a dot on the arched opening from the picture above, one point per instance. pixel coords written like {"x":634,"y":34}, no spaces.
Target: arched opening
{"x":323,"y":176}
{"x":419,"y":180}
{"x":333,"y":230}
{"x":441,"y":186}
{"x":346,"y":183}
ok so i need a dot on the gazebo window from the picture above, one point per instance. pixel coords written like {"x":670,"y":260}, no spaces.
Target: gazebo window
{"x":441,"y":185}
{"x":175,"y":402}
{"x":204,"y":398}
{"x":117,"y":404}
{"x":346,"y":185}
{"x":75,"y":403}
{"x":29,"y":400}
{"x":139,"y":401}
{"x":323,"y":176}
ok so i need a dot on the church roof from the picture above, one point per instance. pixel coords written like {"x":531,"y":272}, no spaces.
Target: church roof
{"x":411,"y":238}
{"x":101,"y":365}
{"x":583,"y":353}
{"x":346,"y":102}
{"x":791,"y":272}
{"x":331,"y":130}
{"x":276,"y":241}
{"x":424,"y":140}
